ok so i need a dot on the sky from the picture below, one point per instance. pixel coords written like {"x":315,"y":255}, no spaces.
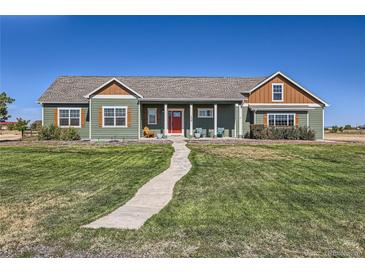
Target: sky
{"x":325,"y":54}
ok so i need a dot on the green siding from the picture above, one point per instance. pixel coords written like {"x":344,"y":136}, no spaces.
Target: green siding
{"x":246,"y":120}
{"x":311,"y":118}
{"x":158,"y":128}
{"x":316,"y":122}
{"x":98,"y":132}
{"x":259,"y":117}
{"x":302,"y":116}
{"x":48,"y":116}
{"x":225,"y":118}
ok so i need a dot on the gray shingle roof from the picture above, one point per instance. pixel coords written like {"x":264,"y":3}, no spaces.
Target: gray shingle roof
{"x":72,"y":89}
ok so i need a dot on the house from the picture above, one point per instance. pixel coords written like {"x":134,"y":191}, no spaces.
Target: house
{"x":120,"y":107}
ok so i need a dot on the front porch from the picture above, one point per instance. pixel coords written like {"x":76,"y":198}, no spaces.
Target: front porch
{"x":183,"y":119}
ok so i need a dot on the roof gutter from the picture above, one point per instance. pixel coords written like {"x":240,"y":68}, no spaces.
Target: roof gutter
{"x":188,"y":99}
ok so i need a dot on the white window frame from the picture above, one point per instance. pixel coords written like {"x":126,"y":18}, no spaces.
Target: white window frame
{"x":148,"y":116}
{"x":280,"y":113}
{"x":205,"y":109}
{"x":282,"y":92}
{"x":115,"y":107}
{"x":69,"y":117}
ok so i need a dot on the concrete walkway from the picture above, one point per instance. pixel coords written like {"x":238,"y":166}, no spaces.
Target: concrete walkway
{"x":151,"y":197}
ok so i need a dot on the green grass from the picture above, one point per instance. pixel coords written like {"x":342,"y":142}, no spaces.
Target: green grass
{"x":48,"y":192}
{"x":237,"y":201}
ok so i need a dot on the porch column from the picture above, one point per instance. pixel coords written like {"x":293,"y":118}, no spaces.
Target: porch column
{"x":240,"y":133}
{"x":215,"y":120}
{"x":191,"y":120}
{"x":165,"y":120}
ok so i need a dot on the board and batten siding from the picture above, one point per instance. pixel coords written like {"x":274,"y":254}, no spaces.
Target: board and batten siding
{"x":49,"y":117}
{"x":110,"y":133}
{"x":292,"y":93}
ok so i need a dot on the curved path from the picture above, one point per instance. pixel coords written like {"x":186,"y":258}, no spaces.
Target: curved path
{"x":151,"y":197}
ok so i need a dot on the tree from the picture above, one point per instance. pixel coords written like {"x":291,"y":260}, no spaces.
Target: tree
{"x":4,"y":101}
{"x":348,"y":127}
{"x":36,"y":125}
{"x":21,"y":125}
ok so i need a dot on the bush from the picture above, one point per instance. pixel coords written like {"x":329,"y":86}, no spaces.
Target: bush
{"x":334,"y":129}
{"x":277,"y":133}
{"x":256,"y":131}
{"x":69,"y":134}
{"x":36,"y":125}
{"x":54,"y":133}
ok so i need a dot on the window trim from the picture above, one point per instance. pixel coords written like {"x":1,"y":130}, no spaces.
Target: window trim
{"x":148,"y":116}
{"x":282,"y":92}
{"x":69,"y":117}
{"x":280,"y":113}
{"x":206,"y":117}
{"x":115,"y":126}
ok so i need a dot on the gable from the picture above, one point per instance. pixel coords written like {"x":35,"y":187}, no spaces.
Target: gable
{"x":292,"y":93}
{"x":113,"y":88}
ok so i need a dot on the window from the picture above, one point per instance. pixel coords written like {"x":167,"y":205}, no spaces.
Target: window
{"x":205,"y":113}
{"x":69,"y":117}
{"x":152,"y":116}
{"x":115,"y":116}
{"x":277,"y":92}
{"x":281,"y":120}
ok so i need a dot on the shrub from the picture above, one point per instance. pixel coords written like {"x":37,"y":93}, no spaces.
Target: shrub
{"x":277,"y":133}
{"x":36,"y":125}
{"x":48,"y":133}
{"x":54,"y":133}
{"x":256,"y":131}
{"x":69,"y":134}
{"x":334,"y":129}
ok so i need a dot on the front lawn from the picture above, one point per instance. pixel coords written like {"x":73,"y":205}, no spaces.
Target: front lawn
{"x":48,"y":192}
{"x":237,"y":201}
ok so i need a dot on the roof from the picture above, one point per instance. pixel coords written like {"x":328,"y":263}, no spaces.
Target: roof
{"x":73,"y":89}
{"x":7,"y":123}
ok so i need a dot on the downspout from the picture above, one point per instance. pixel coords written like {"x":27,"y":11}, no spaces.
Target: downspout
{"x":42,"y":115}
{"x":90,"y":119}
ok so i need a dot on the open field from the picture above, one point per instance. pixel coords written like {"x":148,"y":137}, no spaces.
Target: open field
{"x":345,"y":137}
{"x":285,"y":200}
{"x":10,"y":135}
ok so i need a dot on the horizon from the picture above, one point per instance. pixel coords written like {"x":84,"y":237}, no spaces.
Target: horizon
{"x":324,"y":54}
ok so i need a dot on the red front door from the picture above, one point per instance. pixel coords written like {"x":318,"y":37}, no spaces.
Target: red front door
{"x":175,"y":121}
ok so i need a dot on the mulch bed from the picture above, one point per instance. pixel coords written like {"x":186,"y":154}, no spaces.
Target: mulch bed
{"x":226,"y":141}
{"x":85,"y":143}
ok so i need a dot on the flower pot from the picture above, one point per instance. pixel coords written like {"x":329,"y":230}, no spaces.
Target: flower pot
{"x":197,"y":135}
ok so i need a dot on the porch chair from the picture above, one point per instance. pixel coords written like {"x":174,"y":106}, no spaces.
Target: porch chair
{"x":220,"y":132}
{"x":148,"y":133}
{"x":199,"y":130}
